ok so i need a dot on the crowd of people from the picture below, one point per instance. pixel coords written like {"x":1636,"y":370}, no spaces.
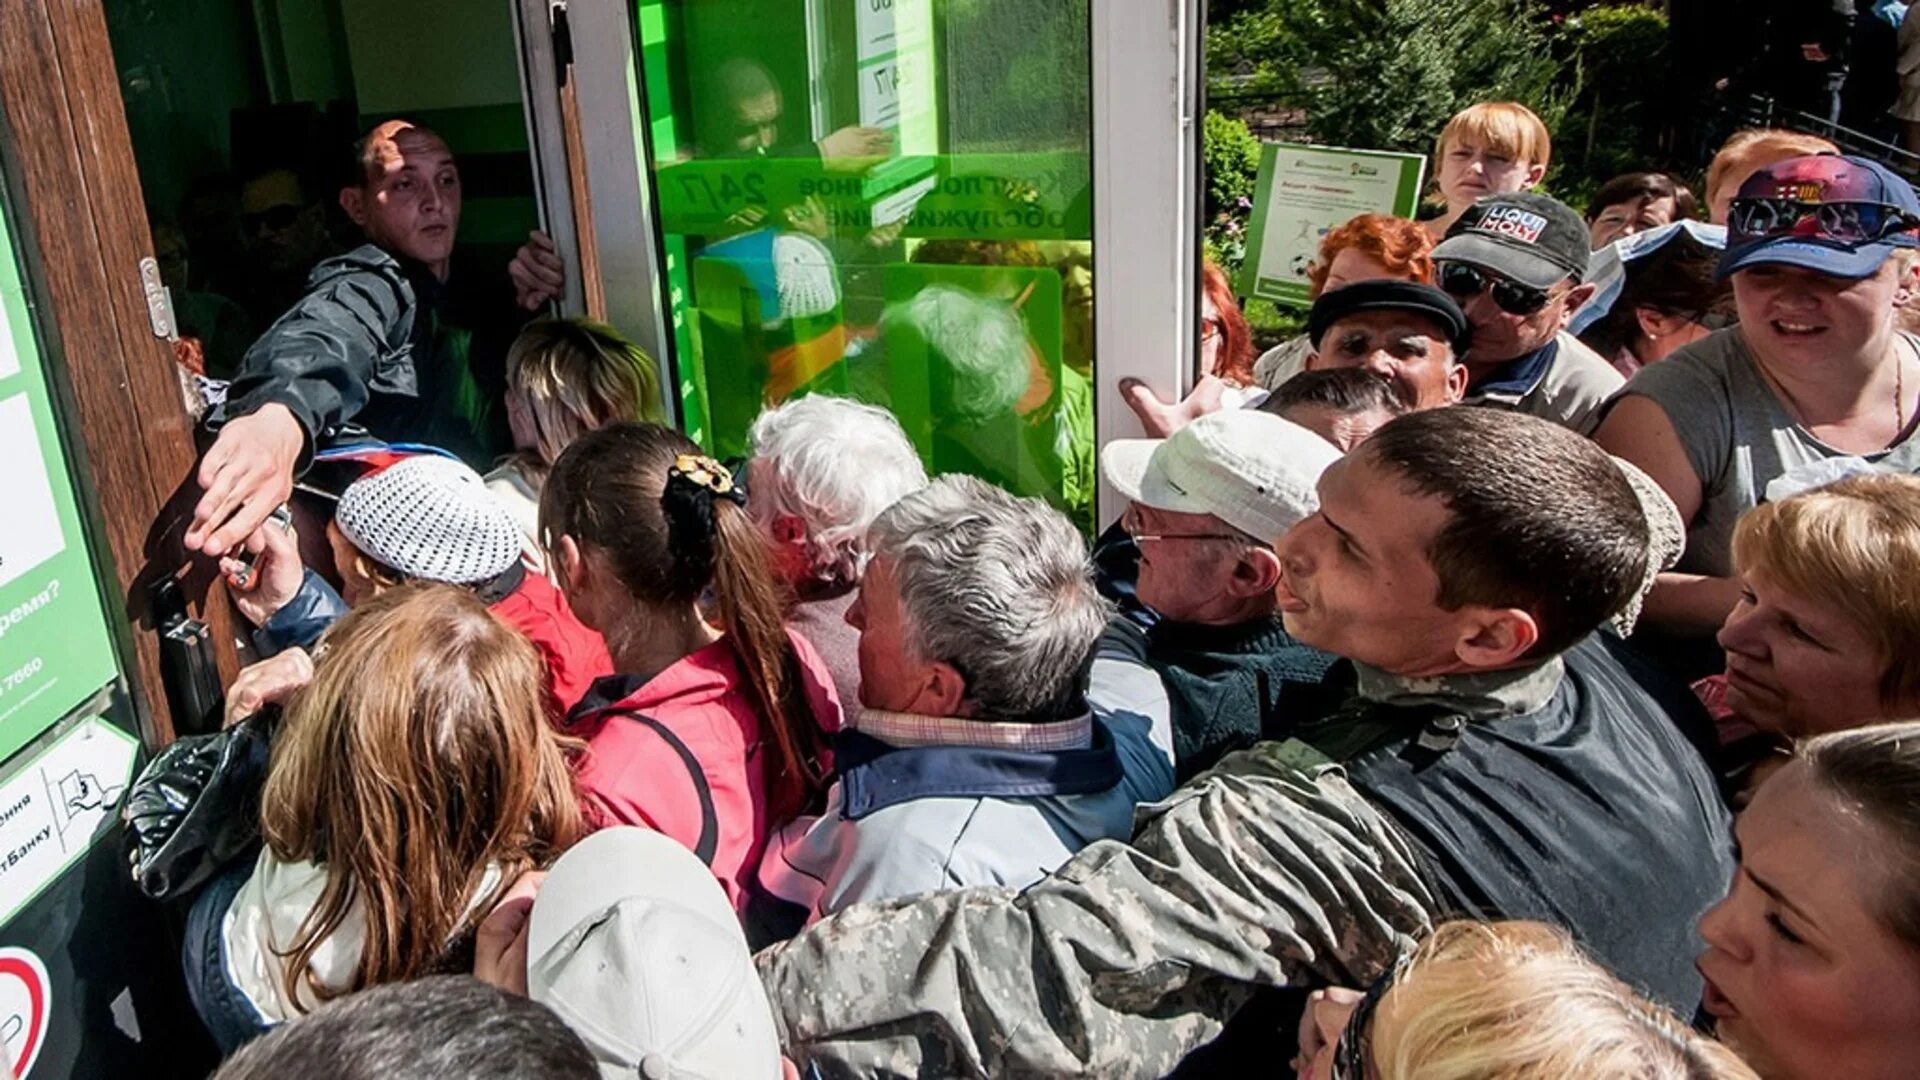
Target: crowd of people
{"x":1514,"y":676}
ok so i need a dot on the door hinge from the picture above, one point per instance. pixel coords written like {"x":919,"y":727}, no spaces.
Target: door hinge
{"x":159,"y":303}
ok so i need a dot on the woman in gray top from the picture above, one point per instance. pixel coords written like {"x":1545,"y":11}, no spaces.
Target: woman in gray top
{"x":1815,"y":371}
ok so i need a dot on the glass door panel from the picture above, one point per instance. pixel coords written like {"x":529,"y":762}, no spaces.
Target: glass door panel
{"x":888,"y":200}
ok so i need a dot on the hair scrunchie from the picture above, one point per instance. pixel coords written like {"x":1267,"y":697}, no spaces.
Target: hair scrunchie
{"x":694,"y":481}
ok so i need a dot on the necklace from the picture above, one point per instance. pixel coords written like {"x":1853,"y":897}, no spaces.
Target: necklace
{"x":1799,"y":415}
{"x":1899,"y":397}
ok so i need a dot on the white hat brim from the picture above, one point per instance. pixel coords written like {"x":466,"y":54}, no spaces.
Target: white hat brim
{"x":618,"y":864}
{"x":1128,"y":466}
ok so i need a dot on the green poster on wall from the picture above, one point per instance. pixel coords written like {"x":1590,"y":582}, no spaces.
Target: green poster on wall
{"x":55,"y":646}
{"x":1306,"y":191}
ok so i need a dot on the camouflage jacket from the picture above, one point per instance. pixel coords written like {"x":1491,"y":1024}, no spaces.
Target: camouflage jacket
{"x":1269,"y":870}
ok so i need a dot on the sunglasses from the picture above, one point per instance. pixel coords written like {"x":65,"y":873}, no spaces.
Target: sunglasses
{"x":1355,"y":1048}
{"x":1848,"y":223}
{"x":1464,"y":282}
{"x":276,"y":218}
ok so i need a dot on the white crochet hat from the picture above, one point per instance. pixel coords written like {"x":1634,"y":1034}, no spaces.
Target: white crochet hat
{"x":432,"y":518}
{"x":804,"y":277}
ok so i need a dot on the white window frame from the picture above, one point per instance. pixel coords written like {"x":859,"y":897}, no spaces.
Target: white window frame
{"x":1146,"y":105}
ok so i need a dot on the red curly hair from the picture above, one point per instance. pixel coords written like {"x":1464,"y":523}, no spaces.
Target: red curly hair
{"x":1402,"y":246}
{"x":1235,"y":362}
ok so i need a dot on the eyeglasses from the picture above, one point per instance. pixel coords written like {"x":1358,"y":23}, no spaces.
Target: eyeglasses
{"x":1466,"y":282}
{"x":1849,"y":223}
{"x":1131,"y":525}
{"x":1355,"y":1049}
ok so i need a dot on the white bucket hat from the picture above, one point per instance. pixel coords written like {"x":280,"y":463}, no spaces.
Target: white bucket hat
{"x":634,"y":945}
{"x":1252,"y":470}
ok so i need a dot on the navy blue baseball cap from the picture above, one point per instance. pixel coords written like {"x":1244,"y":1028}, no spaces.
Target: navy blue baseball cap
{"x":1829,"y":213}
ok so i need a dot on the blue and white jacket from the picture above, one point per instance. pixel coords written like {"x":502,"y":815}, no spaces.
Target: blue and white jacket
{"x":907,"y":820}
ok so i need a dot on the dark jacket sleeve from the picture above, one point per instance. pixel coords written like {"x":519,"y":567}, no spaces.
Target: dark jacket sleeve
{"x":304,"y":618}
{"x":348,"y":336}
{"x":1127,"y":958}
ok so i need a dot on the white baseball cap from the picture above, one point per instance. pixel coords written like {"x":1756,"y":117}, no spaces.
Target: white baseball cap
{"x":1250,"y":469}
{"x":634,"y":945}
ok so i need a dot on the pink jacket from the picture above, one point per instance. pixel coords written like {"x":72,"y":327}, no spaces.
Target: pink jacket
{"x":645,"y":741}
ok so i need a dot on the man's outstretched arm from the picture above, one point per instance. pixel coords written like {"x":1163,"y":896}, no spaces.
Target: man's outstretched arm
{"x":1126,"y":959}
{"x":312,"y":370}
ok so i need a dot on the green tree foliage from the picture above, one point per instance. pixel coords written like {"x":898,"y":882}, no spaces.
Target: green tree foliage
{"x":1230,"y":162}
{"x":1231,"y":156}
{"x":1619,"y":62}
{"x":1386,"y":74}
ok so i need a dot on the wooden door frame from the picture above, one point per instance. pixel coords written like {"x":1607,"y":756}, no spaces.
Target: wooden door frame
{"x":69,"y":164}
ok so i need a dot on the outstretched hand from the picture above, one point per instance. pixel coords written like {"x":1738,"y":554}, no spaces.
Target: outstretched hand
{"x":1161,"y":419}
{"x":537,"y":272}
{"x":854,"y":149}
{"x":246,"y":474}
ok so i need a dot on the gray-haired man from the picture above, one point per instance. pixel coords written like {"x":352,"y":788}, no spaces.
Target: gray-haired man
{"x":977,"y":759}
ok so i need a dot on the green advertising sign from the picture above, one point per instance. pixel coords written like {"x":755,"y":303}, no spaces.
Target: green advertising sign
{"x":55,"y":646}
{"x":1305,"y":192}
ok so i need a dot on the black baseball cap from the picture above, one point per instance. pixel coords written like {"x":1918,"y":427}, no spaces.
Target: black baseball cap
{"x":1534,"y":240}
{"x":1387,"y":294}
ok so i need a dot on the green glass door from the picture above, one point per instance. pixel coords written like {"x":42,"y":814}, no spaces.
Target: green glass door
{"x":888,"y":200}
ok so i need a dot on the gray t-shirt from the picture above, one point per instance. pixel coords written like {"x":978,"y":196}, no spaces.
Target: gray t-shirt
{"x":1739,"y":438}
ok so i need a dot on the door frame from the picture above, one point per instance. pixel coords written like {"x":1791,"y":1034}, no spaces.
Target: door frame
{"x":82,"y":228}
{"x":1147,"y":97}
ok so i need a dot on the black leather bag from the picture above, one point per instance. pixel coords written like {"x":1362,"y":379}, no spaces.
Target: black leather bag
{"x":196,"y":806}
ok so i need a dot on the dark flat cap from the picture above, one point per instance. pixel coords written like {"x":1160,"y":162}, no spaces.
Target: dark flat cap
{"x":1389,"y":295}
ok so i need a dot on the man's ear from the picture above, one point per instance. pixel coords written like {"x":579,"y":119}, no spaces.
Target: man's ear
{"x":1494,"y":638}
{"x":943,"y":693}
{"x":1456,"y":384}
{"x":1577,"y":298}
{"x":353,"y":201}
{"x":1257,"y":571}
{"x":1536,"y":173}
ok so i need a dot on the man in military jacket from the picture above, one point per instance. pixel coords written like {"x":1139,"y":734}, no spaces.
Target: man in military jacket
{"x":1496,"y":758}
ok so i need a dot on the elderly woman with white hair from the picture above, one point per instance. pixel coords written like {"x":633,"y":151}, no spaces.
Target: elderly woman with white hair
{"x":822,"y":469}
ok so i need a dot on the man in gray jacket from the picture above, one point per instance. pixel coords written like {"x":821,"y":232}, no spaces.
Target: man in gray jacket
{"x":1494,"y":757}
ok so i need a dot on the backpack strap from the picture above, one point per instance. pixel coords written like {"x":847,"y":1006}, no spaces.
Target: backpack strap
{"x":709,"y":841}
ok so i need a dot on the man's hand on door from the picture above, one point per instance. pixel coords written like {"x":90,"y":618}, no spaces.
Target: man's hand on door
{"x":537,"y":272}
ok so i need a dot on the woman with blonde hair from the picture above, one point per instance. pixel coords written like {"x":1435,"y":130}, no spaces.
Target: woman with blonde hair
{"x":410,"y":784}
{"x":565,"y":377}
{"x":1508,"y":1000}
{"x":1826,"y":634}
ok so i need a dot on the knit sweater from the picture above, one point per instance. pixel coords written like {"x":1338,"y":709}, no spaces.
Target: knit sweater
{"x":1214,"y":677}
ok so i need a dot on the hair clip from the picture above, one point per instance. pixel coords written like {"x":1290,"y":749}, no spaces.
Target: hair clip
{"x":705,"y":472}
